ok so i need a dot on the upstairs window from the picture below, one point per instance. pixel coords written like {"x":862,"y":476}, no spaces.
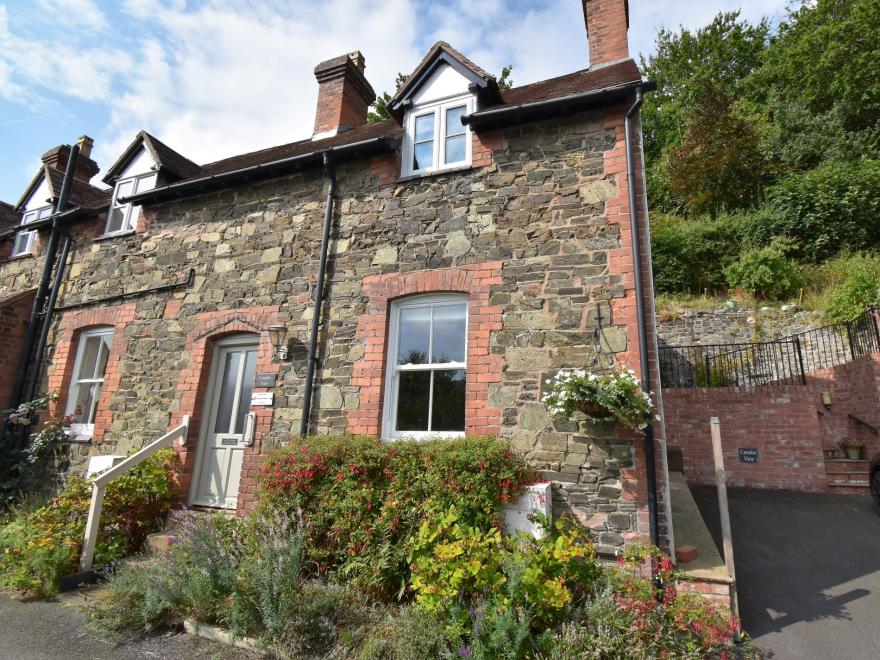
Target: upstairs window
{"x":427,"y":368}
{"x":122,"y":217}
{"x":435,"y":137}
{"x":88,"y":379}
{"x":25,"y":238}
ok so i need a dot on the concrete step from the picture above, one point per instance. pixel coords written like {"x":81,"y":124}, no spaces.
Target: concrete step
{"x":849,"y":488}
{"x":846,"y":464}
{"x":853,"y":475}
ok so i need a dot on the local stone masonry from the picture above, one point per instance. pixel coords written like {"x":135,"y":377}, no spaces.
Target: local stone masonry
{"x":498,"y":246}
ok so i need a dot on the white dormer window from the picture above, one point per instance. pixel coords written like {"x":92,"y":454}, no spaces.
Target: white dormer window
{"x":122,"y":217}
{"x":25,"y":238}
{"x":435,"y":137}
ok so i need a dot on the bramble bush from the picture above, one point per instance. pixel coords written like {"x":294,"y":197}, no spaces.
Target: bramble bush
{"x":362,"y":498}
{"x":766,"y":273}
{"x":38,"y":547}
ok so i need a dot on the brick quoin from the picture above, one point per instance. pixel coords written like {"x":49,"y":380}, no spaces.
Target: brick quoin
{"x":483,"y":368}
{"x":14,"y":313}
{"x":70,"y":327}
{"x":193,"y":381}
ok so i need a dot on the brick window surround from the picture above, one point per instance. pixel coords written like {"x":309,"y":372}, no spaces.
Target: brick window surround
{"x":72,"y":325}
{"x":193,"y":381}
{"x":483,"y":368}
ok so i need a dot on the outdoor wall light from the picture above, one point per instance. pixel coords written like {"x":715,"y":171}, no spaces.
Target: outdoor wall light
{"x":277,"y":335}
{"x":826,"y":399}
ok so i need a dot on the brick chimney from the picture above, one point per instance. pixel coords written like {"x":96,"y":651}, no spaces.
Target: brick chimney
{"x":607,"y":23}
{"x":344,"y":95}
{"x":86,"y":168}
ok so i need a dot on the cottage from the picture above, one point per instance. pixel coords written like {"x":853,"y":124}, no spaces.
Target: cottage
{"x":418,"y":277}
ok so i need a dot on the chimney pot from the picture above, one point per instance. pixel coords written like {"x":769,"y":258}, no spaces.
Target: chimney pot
{"x":85,"y":146}
{"x":344,"y":95}
{"x":607,"y":24}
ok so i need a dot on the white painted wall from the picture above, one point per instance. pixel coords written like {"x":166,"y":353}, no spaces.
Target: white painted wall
{"x":39,"y":197}
{"x":141,"y":163}
{"x":443,"y":83}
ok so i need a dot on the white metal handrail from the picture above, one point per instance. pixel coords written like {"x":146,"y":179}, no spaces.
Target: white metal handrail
{"x":100,"y":481}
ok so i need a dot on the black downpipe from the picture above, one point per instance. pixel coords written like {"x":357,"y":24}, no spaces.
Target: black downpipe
{"x":319,"y":298}
{"x":47,"y":320}
{"x":24,"y":362}
{"x":650,"y":457}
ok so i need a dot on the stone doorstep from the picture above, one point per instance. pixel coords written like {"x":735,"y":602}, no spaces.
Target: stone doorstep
{"x":215,"y":634}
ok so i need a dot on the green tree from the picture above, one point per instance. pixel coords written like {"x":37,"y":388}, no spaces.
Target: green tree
{"x":824,"y":57}
{"x":719,"y":165}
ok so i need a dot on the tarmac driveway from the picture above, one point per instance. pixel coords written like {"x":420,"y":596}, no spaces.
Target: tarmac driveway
{"x":808,"y":570}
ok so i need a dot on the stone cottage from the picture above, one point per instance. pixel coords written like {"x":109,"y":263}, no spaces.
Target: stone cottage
{"x":419,"y":277}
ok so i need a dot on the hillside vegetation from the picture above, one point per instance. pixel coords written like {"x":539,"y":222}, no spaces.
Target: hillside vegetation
{"x":762,"y":150}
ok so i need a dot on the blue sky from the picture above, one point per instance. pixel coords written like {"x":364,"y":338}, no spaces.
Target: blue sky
{"x":213,"y":78}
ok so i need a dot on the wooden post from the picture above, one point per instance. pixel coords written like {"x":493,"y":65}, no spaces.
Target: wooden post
{"x":727,"y":539}
{"x":92,"y":526}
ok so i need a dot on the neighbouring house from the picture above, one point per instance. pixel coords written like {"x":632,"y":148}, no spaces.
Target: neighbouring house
{"x":447,"y":261}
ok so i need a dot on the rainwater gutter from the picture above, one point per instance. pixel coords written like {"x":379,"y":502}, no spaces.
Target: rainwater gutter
{"x":641,"y":317}
{"x":319,"y":296}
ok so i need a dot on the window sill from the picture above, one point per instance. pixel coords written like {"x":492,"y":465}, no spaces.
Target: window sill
{"x":18,"y":257}
{"x":79,"y":436}
{"x":119,"y":234}
{"x":424,"y":436}
{"x":425,"y":175}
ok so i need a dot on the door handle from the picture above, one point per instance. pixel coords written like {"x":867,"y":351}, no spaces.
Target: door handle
{"x":250,"y":423}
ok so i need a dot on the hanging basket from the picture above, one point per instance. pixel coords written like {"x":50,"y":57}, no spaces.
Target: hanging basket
{"x":592,"y":409}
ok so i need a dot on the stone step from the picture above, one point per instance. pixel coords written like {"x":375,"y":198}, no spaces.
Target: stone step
{"x":160,"y":542}
{"x":849,"y":488}
{"x":833,"y":462}
{"x":851,"y":475}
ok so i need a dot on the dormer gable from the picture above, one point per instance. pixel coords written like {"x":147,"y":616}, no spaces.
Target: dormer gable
{"x":148,"y":153}
{"x":435,"y":72}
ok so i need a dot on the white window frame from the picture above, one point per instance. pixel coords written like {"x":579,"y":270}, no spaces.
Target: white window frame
{"x":127,"y":209}
{"x":392,"y":380}
{"x":439,"y":109}
{"x":31,"y":234}
{"x":84,"y":431}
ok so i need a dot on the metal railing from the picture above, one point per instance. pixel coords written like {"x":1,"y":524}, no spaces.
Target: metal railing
{"x":785,"y":361}
{"x":100,"y":481}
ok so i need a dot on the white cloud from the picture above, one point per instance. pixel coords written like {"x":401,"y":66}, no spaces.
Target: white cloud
{"x":74,"y":13}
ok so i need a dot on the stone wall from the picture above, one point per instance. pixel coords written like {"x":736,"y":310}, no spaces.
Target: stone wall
{"x":686,"y":327}
{"x":547,"y":212}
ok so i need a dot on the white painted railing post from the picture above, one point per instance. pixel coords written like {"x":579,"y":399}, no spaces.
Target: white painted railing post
{"x":92,"y":525}
{"x":100,"y":481}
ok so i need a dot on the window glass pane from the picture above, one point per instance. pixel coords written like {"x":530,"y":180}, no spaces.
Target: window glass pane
{"x":456,"y":149}
{"x":412,"y":400}
{"x":103,"y":354}
{"x":413,"y":335}
{"x":449,"y":333}
{"x":423,"y":155}
{"x":145,"y":183}
{"x":227,"y":392}
{"x":124,"y":188}
{"x":46,"y":212}
{"x":87,"y":395}
{"x":22,"y":243}
{"x":424,"y":128}
{"x":247,"y":386}
{"x":89,"y":358}
{"x":447,"y":411}
{"x":30,"y":216}
{"x":453,"y":121}
{"x":117,"y":219}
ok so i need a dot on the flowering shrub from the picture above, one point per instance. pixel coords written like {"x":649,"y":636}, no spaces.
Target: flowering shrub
{"x":362,"y":498}
{"x":454,"y":563}
{"x":40,"y":546}
{"x":607,"y":396}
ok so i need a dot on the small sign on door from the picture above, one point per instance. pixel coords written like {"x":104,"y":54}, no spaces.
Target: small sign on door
{"x":748,"y":455}
{"x":262,"y":398}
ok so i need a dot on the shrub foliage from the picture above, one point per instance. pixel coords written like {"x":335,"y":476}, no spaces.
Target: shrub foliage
{"x":361,"y":498}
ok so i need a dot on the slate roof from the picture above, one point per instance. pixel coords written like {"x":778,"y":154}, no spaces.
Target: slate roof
{"x":166,"y":158}
{"x":81,"y":193}
{"x":8,"y":216}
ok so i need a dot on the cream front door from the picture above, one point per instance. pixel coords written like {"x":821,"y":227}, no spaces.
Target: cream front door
{"x":229,"y":427}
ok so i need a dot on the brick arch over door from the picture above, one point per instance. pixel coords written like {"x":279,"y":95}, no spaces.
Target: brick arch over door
{"x":72,"y":325}
{"x":483,"y":368}
{"x":193,"y":381}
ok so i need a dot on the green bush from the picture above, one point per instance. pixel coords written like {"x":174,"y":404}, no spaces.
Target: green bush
{"x":362,"y":499}
{"x":856,"y":288}
{"x":690,"y":256}
{"x":39,"y":547}
{"x":832,"y":208}
{"x":765,"y":273}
